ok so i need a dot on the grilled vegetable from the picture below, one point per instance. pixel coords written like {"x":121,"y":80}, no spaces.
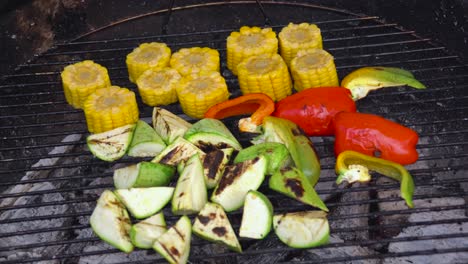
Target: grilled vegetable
{"x":277,"y":155}
{"x":296,"y":37}
{"x":313,"y":68}
{"x":265,"y":73}
{"x":197,"y":93}
{"x":152,"y":55}
{"x":374,"y":135}
{"x":168,"y":125}
{"x":195,"y":60}
{"x":144,"y":202}
{"x":158,"y":86}
{"x":213,"y":225}
{"x":214,"y":163}
{"x":257,"y":216}
{"x":208,"y":134}
{"x":178,"y":151}
{"x":190,"y":194}
{"x":237,"y":181}
{"x":81,"y":79}
{"x":302,"y":229}
{"x":174,"y":245}
{"x":111,"y":223}
{"x":353,"y":166}
{"x":292,"y":183}
{"x":143,"y":174}
{"x":364,"y":80}
{"x":313,"y":109}
{"x":146,"y":142}
{"x":109,"y":108}
{"x":249,"y":41}
{"x":111,"y":145}
{"x":144,"y":233}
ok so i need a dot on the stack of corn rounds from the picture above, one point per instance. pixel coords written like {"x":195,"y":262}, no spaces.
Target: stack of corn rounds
{"x":158,"y":87}
{"x":109,"y":108}
{"x":265,"y":73}
{"x":313,"y":68}
{"x":295,"y":37}
{"x":249,"y":41}
{"x":195,"y":61}
{"x":81,"y":79}
{"x":152,"y":55}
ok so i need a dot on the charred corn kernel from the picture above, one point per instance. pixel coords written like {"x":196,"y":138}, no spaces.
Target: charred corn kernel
{"x":197,"y":93}
{"x":295,"y":37}
{"x":152,"y":55}
{"x":158,"y":87}
{"x":313,"y":68}
{"x":109,"y":108}
{"x":249,"y":41}
{"x":265,"y":73}
{"x":195,"y":60}
{"x":81,"y":79}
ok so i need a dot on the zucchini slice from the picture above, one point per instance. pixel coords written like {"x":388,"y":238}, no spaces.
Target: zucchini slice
{"x":111,"y":145}
{"x":257,"y":216}
{"x":111,"y":223}
{"x":302,"y":229}
{"x":144,"y":202}
{"x":209,"y":134}
{"x":214,"y":163}
{"x":144,"y":233}
{"x":143,"y":174}
{"x":146,"y":142}
{"x":174,"y":245}
{"x":276,"y":153}
{"x":178,"y":151}
{"x":168,"y":125}
{"x":213,"y":225}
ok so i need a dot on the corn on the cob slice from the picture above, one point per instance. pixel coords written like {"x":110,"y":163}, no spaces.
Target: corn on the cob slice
{"x":152,"y":55}
{"x":158,"y":87}
{"x":265,"y":73}
{"x":81,"y":79}
{"x":249,"y":41}
{"x":197,"y":93}
{"x":313,"y":68}
{"x":109,"y":108}
{"x":295,"y":37}
{"x":195,"y":60}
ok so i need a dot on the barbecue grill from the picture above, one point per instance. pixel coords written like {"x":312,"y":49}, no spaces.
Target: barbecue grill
{"x":50,"y":182}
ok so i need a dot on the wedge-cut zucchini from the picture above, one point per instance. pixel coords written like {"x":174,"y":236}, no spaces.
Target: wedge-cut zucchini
{"x":111,"y":223}
{"x":276,"y":153}
{"x":214,"y":163}
{"x":190,"y":194}
{"x":213,"y":225}
{"x":144,"y":233}
{"x":178,"y":151}
{"x":174,"y":245}
{"x":302,"y":229}
{"x":111,"y":145}
{"x":144,"y":202}
{"x":257,"y":216}
{"x":237,"y":181}
{"x":168,"y":125}
{"x":146,"y":142}
{"x":209,"y":134}
{"x":143,"y":174}
{"x":292,"y":183}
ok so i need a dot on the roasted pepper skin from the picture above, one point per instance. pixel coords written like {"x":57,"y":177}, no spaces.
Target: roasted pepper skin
{"x":313,"y":109}
{"x":375,"y":136}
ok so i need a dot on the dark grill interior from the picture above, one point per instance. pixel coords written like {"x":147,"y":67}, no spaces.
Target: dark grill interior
{"x":49,"y":181}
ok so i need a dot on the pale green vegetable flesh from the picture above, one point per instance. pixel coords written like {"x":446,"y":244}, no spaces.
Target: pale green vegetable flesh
{"x":168,"y":125}
{"x":178,"y":151}
{"x":143,"y":174}
{"x":276,"y":153}
{"x":144,"y":233}
{"x":257,"y":216}
{"x":111,"y":145}
{"x":146,"y":142}
{"x":144,"y":202}
{"x":214,"y":163}
{"x":174,"y":245}
{"x":209,"y":134}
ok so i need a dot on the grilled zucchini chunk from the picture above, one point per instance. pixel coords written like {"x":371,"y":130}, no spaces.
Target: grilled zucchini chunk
{"x":214,"y":163}
{"x":146,"y":142}
{"x":143,"y":174}
{"x":277,"y":155}
{"x":257,"y":216}
{"x":111,"y":145}
{"x":174,"y":245}
{"x":145,"y":202}
{"x":144,"y":233}
{"x":209,"y":134}
{"x":178,"y":151}
{"x":168,"y":125}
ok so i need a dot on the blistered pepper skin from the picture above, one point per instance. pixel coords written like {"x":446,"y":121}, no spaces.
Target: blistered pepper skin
{"x":375,"y":136}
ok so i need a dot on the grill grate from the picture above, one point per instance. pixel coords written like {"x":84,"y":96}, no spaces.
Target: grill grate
{"x":49,"y":181}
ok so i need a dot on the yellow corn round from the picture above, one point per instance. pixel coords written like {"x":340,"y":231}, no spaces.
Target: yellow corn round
{"x":313,"y":68}
{"x":81,"y":79}
{"x":249,"y":41}
{"x":158,"y":87}
{"x":152,"y":55}
{"x":195,"y":60}
{"x":197,"y":93}
{"x":109,"y":108}
{"x":265,"y":73}
{"x":295,"y":37}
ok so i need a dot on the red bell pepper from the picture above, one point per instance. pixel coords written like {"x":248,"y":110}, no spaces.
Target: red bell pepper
{"x":375,"y":136}
{"x":313,"y":109}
